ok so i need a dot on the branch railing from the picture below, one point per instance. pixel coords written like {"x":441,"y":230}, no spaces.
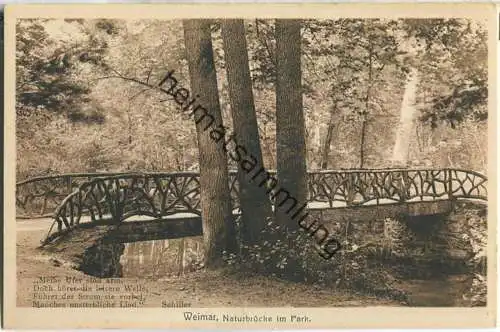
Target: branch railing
{"x":381,"y":186}
{"x":40,"y":196}
{"x":118,"y":196}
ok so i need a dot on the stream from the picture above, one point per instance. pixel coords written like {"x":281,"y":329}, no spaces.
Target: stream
{"x":161,"y":258}
{"x":445,"y":292}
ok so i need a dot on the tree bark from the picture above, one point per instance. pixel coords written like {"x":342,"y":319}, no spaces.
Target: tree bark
{"x":290,"y":123}
{"x":216,"y":209}
{"x":255,"y":203}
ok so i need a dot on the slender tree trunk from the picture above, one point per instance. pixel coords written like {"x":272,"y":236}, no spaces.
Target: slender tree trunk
{"x":367,"y":109}
{"x":363,"y":139}
{"x":325,"y":154}
{"x":290,"y":124}
{"x":405,"y":128}
{"x":255,"y":203}
{"x":129,"y":122}
{"x":216,"y":210}
{"x":180,"y":257}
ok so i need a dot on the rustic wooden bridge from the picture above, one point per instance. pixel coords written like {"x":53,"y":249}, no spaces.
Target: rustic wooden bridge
{"x":149,"y":206}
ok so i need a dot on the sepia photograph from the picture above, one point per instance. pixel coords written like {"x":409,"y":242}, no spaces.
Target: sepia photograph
{"x":251,"y":162}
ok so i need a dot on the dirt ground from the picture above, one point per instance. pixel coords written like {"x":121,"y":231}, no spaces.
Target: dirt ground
{"x":197,"y":289}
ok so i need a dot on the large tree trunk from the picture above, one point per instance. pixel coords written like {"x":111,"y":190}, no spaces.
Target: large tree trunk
{"x":290,"y":125}
{"x":216,"y":209}
{"x":255,"y":203}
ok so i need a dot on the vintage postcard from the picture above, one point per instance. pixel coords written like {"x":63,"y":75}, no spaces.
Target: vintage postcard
{"x":250,"y":166}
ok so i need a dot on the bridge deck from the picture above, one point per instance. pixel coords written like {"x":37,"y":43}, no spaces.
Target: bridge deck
{"x":145,"y":228}
{"x":310,"y":205}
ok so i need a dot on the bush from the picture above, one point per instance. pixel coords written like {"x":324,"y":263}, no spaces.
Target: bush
{"x":477,"y":294}
{"x":292,"y":255}
{"x":478,"y":236}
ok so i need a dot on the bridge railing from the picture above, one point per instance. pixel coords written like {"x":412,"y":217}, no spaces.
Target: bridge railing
{"x":359,"y":187}
{"x":39,"y":197}
{"x":121,"y":196}
{"x":467,"y":184}
{"x":115,"y":198}
{"x":161,"y":194}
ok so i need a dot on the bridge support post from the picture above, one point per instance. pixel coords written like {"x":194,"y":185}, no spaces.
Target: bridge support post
{"x":350,"y":189}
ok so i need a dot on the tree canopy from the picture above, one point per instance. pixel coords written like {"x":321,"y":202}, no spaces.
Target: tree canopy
{"x":66,"y":83}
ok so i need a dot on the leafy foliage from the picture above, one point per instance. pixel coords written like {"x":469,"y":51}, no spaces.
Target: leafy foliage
{"x":48,"y":69}
{"x":478,"y":236}
{"x":452,"y":53}
{"x":66,"y":69}
{"x":292,"y":255}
